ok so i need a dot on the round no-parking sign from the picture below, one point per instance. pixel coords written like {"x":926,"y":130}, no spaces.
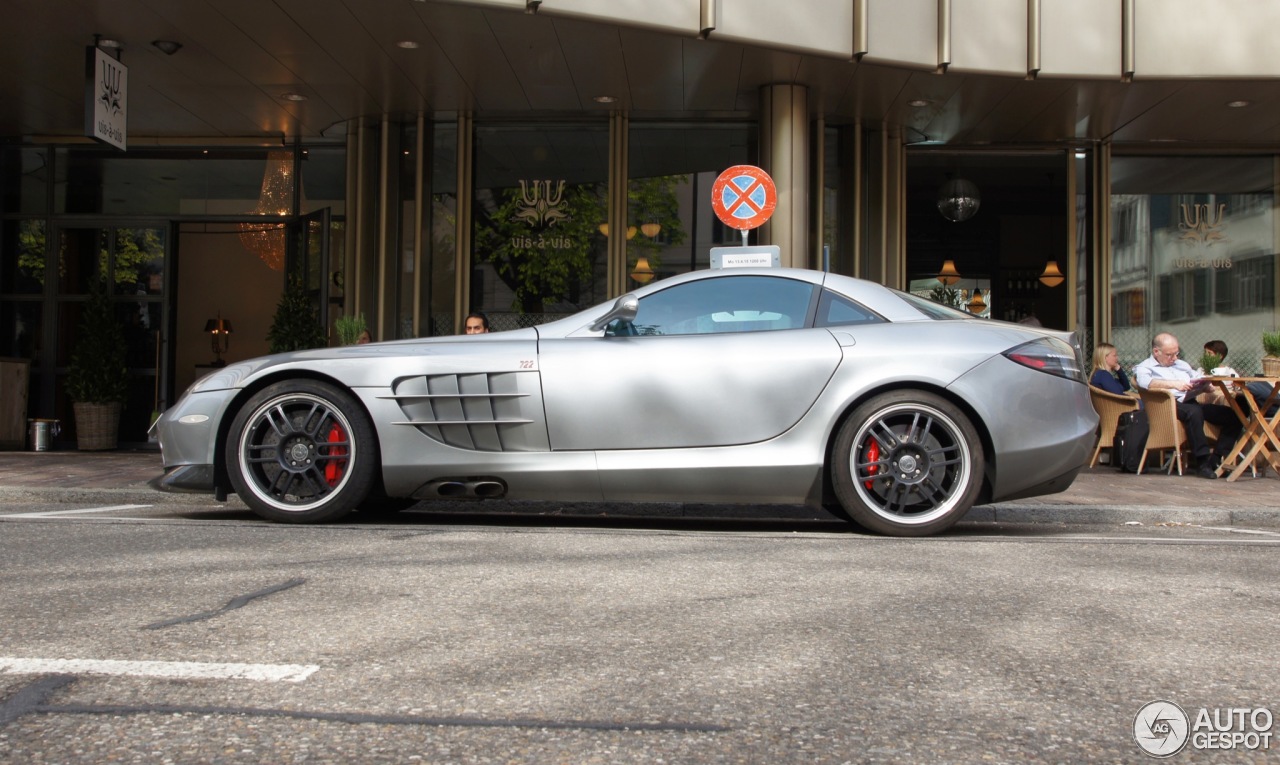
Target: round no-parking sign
{"x":743,"y":197}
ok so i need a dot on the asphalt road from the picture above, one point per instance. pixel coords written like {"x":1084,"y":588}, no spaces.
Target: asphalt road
{"x":172,"y":634}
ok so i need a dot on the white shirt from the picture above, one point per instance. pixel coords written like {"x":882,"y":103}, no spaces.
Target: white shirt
{"x":1149,"y":369}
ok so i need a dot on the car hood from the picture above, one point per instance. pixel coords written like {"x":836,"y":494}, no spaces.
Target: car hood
{"x":353,"y":362}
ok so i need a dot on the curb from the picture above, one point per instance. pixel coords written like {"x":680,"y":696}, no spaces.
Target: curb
{"x":1257,"y":517}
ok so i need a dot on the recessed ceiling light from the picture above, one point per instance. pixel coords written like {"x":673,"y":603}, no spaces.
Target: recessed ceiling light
{"x":167,"y":47}
{"x":407,"y":44}
{"x":1240,"y":104}
{"x":293,"y":96}
{"x":107,"y":42}
{"x":918,"y":102}
{"x":604,"y":99}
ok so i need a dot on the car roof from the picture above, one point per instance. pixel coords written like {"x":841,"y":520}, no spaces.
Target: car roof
{"x":882,"y":300}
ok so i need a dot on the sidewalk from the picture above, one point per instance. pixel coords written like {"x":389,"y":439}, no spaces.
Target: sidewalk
{"x":1099,"y":495}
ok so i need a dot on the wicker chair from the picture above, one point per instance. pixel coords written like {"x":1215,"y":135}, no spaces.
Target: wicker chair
{"x":1166,"y":432}
{"x":1109,"y":407}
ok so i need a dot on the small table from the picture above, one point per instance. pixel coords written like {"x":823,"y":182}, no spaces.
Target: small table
{"x":1259,"y":435}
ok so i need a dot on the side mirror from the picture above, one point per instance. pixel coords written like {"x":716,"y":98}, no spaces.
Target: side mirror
{"x":624,"y":308}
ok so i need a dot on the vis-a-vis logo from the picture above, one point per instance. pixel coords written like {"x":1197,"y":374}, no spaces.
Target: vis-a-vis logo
{"x":1199,"y":223}
{"x":541,"y":205}
{"x":106,"y":109}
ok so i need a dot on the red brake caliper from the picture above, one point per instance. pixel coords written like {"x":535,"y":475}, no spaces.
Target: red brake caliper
{"x":872,"y":454}
{"x":333,"y":469}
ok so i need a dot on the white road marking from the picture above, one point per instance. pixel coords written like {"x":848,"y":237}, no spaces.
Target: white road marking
{"x":1244,"y":531}
{"x":184,"y":670}
{"x":51,"y":513}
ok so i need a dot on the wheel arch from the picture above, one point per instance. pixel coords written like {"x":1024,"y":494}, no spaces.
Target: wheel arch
{"x":221,"y":476}
{"x":984,"y":434}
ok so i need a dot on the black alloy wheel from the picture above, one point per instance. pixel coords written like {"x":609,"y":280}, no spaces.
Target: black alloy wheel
{"x":302,"y":451}
{"x":907,"y":463}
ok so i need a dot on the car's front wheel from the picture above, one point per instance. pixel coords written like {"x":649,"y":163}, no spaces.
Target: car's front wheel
{"x":907,"y":463}
{"x":302,"y":451}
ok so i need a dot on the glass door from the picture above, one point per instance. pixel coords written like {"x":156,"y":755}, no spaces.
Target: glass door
{"x":309,"y":259}
{"x":134,"y":260}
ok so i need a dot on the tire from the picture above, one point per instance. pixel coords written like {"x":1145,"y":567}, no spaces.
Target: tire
{"x":907,"y":463}
{"x":302,"y":451}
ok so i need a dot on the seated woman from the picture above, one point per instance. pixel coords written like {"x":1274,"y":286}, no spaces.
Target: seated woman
{"x":1107,"y":372}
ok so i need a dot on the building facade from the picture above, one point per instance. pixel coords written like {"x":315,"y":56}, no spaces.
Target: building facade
{"x":411,"y":161}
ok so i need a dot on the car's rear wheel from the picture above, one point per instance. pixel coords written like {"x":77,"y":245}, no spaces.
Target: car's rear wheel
{"x":907,"y":463}
{"x":302,"y":451}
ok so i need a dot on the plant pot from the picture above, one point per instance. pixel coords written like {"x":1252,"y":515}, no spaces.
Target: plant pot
{"x":1271,"y":366}
{"x":97,"y":425}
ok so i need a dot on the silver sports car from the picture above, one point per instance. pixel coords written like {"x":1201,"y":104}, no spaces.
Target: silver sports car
{"x":732,"y":385}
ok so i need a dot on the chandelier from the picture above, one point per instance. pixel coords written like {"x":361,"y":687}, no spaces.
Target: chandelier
{"x":958,"y":200}
{"x":267,"y":240}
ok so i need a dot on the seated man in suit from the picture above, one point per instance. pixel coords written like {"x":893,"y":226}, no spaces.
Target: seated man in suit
{"x":1163,"y":370}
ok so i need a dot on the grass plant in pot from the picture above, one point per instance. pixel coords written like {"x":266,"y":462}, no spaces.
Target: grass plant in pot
{"x":350,"y":328}
{"x":1271,"y":359}
{"x":98,"y":379}
{"x":1209,"y":362}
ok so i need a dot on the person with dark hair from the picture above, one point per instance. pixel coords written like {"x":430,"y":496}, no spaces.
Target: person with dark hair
{"x":1163,"y":370}
{"x":476,"y":323}
{"x":1217,"y":348}
{"x":1258,"y":390}
{"x":1215,"y":395}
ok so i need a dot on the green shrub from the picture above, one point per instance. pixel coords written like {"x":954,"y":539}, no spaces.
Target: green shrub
{"x":98,"y":374}
{"x":296,"y":326}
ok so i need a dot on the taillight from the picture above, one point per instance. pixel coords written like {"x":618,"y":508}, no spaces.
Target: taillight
{"x":1049,"y":355}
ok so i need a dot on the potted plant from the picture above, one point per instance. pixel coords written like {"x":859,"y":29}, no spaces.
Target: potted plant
{"x":98,"y":379}
{"x":296,"y":326}
{"x":1209,"y":361}
{"x":1271,"y":361}
{"x":350,"y":328}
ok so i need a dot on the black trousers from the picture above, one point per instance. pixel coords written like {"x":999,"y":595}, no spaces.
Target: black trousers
{"x":1193,"y":417}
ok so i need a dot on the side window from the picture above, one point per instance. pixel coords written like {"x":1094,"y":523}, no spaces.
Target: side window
{"x":726,"y":304}
{"x":837,"y":311}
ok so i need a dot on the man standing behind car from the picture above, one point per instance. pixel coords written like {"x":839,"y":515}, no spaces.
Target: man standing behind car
{"x":476,"y":323}
{"x":1163,"y":370}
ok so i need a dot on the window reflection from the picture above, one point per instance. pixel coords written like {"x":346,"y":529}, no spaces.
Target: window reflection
{"x":672,"y":169}
{"x":729,"y":304}
{"x":1193,"y":252}
{"x":540,"y":197}
{"x":139,"y":261}
{"x":24,"y":275}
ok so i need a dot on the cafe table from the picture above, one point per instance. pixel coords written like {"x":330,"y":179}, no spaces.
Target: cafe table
{"x":1259,"y":436}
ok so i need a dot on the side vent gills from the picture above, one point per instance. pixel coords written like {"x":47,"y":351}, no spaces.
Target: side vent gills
{"x":490,"y":412}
